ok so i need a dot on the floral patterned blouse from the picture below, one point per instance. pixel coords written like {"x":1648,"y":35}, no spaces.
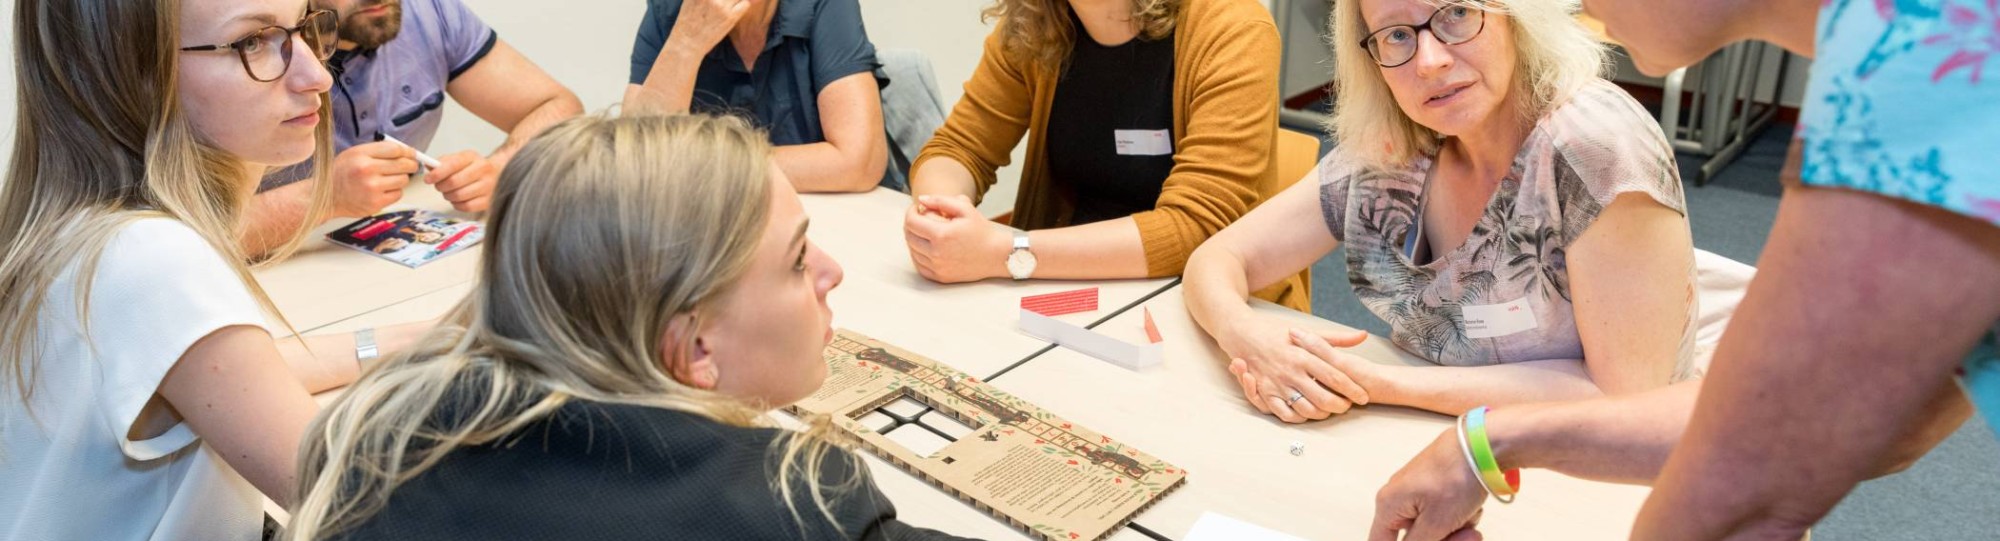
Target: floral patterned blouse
{"x":1899,"y":104}
{"x":1503,"y":296}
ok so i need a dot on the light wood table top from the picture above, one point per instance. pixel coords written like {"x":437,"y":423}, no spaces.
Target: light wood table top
{"x":325,"y":282}
{"x":1189,"y":411}
{"x":970,"y":326}
{"x":328,"y":288}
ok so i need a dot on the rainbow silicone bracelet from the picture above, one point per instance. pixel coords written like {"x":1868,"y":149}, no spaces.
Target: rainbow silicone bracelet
{"x":1467,"y":449}
{"x":1503,"y":485}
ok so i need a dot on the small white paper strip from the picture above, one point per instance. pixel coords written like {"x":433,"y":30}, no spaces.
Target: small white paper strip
{"x":1214,"y":526}
{"x":1089,"y":342}
{"x":1142,"y":142}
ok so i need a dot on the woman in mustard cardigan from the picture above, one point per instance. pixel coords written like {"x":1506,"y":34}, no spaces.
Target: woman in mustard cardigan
{"x":1150,"y":126}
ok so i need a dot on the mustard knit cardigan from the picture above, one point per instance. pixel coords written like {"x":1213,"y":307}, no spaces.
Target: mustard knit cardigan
{"x":1225,"y":130}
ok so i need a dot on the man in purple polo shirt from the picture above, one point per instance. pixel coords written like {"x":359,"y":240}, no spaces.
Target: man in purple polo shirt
{"x":396,"y":64}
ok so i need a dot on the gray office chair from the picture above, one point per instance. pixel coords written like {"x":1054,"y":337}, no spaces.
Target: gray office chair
{"x":911,"y":109}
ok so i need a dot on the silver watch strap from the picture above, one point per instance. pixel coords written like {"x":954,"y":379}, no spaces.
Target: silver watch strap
{"x":364,"y":345}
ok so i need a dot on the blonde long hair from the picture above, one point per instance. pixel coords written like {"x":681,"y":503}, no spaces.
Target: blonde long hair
{"x":602,"y":231}
{"x":1556,"y":56}
{"x":102,"y":141}
{"x":1040,"y":30}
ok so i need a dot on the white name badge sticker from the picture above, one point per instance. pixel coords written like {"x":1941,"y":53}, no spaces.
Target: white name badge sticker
{"x":1497,"y":320}
{"x":1143,"y":142}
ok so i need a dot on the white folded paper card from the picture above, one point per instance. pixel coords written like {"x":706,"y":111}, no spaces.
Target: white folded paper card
{"x":1092,"y":343}
{"x":1214,"y":526}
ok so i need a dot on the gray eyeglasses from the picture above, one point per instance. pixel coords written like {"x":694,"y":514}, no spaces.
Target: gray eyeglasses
{"x":1452,"y":24}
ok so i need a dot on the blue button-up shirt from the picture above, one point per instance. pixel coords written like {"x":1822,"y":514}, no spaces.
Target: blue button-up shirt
{"x":811,"y":44}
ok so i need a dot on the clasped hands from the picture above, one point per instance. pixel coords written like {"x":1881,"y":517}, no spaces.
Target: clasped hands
{"x":1298,"y":375}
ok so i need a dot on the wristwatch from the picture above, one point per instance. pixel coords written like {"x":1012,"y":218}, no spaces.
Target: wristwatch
{"x":364,"y":345}
{"x":1021,"y":263}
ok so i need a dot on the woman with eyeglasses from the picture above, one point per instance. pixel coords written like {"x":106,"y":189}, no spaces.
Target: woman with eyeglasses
{"x":1872,"y":332}
{"x":142,"y":395}
{"x":1516,"y":219}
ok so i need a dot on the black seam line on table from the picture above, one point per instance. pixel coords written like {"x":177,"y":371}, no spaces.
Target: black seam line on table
{"x":1092,"y":325}
{"x":900,"y":423}
{"x":1146,"y":531}
{"x":900,"y":420}
{"x":934,"y":430}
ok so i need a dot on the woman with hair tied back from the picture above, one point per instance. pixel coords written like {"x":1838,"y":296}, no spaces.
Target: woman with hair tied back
{"x":1512,"y":216}
{"x":648,"y":294}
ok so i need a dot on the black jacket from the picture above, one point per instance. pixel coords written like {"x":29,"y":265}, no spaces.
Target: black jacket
{"x":610,"y":471}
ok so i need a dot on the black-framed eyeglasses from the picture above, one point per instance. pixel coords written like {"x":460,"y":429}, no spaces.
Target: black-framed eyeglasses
{"x":1451,"y":24}
{"x":267,"y":53}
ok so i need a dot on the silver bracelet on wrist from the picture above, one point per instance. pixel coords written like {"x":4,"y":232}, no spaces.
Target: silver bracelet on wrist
{"x":364,"y":346}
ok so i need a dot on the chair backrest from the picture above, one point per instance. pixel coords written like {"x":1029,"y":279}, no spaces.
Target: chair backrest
{"x":911,"y":109}
{"x":1297,"y":154}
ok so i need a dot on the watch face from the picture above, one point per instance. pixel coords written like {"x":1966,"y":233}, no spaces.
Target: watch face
{"x":1021,"y":263}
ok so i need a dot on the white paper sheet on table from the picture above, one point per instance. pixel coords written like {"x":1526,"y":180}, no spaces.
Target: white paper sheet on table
{"x":1214,"y":526}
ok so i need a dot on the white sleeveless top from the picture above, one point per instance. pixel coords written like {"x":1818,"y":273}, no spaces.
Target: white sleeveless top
{"x":67,"y":467}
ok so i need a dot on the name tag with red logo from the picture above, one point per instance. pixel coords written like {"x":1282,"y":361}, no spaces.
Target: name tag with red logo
{"x":1497,"y":320}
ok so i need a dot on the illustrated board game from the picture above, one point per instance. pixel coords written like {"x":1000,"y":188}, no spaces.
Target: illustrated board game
{"x":1042,"y":474}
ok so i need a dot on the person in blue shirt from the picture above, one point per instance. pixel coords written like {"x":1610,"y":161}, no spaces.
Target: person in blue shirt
{"x":803,"y":70}
{"x":1875,"y":309}
{"x":398,"y":60}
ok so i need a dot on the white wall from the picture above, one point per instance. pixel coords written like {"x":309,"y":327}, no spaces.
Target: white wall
{"x":585,"y":44}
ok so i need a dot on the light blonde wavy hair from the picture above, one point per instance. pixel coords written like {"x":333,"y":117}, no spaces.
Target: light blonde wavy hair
{"x":103,"y":141}
{"x":602,"y":231}
{"x":1556,"y":56}
{"x":1040,"y":30}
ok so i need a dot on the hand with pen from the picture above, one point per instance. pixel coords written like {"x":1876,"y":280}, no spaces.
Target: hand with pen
{"x":466,"y":179}
{"x":369,"y":177}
